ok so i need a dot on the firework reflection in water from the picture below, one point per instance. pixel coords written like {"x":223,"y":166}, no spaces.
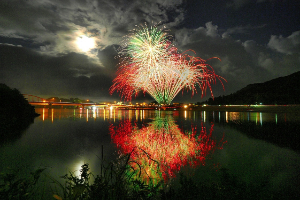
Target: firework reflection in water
{"x":161,"y":148}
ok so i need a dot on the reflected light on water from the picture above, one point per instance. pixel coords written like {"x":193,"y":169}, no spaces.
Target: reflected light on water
{"x":52,"y":115}
{"x":87,"y":115}
{"x":130,"y":114}
{"x":95,"y":110}
{"x":226,"y":116}
{"x":159,"y":150}
{"x":104,"y":114}
{"x":260,"y":118}
{"x":110,"y":113}
{"x":194,"y":115}
{"x":115,"y":114}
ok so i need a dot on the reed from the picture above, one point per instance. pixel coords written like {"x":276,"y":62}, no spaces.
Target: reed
{"x":117,"y":180}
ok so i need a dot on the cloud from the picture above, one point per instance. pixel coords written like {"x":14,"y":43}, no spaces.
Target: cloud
{"x":211,"y":30}
{"x":39,"y":54}
{"x":55,"y":25}
{"x":241,"y":63}
{"x":50,"y":61}
{"x":7,"y":44}
{"x":37,"y":74}
{"x":289,"y":45}
{"x":241,"y":3}
{"x":187,"y":36}
{"x":265,"y":61}
{"x":240,"y":30}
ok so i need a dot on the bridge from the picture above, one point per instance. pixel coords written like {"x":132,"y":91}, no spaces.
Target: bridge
{"x":38,"y":101}
{"x":32,"y":98}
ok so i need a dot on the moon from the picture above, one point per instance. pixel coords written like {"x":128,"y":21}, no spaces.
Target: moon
{"x":85,"y":43}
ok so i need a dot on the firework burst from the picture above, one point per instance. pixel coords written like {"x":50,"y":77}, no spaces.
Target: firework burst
{"x":150,"y":63}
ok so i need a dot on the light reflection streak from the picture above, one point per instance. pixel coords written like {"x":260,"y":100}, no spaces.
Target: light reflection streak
{"x":43,"y":114}
{"x":260,"y":118}
{"x":130,"y":114}
{"x":110,"y":112}
{"x":104,"y":114}
{"x":87,"y":115}
{"x":52,"y":115}
{"x":114,"y":115}
{"x":226,"y":116}
{"x":95,"y":112}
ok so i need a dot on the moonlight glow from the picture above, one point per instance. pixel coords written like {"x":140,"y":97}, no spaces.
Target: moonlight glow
{"x":85,"y":43}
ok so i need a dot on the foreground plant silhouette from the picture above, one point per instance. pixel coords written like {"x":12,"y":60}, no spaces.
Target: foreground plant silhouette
{"x":14,"y":187}
{"x":117,"y":181}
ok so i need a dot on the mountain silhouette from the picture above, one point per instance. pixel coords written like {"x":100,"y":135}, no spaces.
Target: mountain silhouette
{"x":279,"y":91}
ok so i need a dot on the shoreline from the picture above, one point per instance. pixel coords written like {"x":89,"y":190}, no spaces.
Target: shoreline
{"x":251,"y":108}
{"x":218,"y":108}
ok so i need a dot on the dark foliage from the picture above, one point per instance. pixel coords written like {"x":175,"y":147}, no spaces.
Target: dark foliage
{"x":13,"y":186}
{"x":15,"y":112}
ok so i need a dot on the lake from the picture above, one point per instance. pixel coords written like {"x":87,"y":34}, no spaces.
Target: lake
{"x":256,"y":151}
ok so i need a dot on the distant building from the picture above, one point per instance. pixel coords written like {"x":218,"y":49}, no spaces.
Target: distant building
{"x":64,"y":100}
{"x":53,"y":99}
{"x":178,"y":104}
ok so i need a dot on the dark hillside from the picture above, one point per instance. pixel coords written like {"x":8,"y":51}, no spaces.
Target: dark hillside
{"x":279,"y":91}
{"x":15,"y":112}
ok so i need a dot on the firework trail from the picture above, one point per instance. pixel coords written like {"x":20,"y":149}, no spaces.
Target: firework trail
{"x":150,"y":63}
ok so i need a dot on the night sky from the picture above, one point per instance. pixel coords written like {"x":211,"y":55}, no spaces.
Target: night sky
{"x":256,"y":40}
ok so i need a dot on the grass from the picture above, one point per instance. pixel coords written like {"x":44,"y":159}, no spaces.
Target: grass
{"x":117,"y":181}
{"x":12,"y":186}
{"x":120,"y":181}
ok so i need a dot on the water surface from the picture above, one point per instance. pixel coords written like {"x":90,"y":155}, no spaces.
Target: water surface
{"x":257,"y":150}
